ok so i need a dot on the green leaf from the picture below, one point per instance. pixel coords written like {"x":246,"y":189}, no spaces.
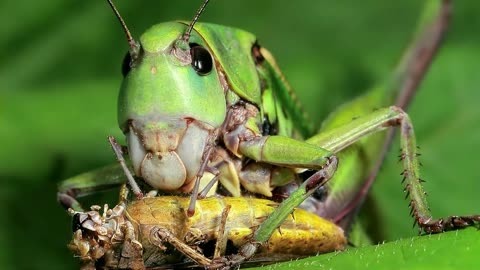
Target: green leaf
{"x":451,"y":250}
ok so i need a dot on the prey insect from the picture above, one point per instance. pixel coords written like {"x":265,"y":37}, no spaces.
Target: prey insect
{"x":203,"y":103}
{"x":156,"y":232}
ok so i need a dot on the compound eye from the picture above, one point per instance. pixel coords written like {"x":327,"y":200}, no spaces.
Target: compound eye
{"x":126,"y":64}
{"x":202,"y":61}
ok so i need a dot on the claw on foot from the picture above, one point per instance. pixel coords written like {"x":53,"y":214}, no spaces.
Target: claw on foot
{"x":448,"y":224}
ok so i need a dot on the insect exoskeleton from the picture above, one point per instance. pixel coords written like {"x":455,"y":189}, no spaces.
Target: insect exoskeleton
{"x":126,"y":236}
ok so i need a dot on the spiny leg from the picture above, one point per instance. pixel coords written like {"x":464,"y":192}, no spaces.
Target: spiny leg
{"x":397,"y":90}
{"x":414,"y":188}
{"x":276,"y":218}
{"x":341,"y":137}
{"x":408,"y":75}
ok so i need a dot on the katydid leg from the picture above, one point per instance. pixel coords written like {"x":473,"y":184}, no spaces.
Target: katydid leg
{"x":105,"y":178}
{"x":285,"y":151}
{"x":408,"y":76}
{"x":339,"y":138}
{"x":196,"y":187}
{"x":84,"y":184}
{"x":68,"y":201}
{"x":353,"y":180}
{"x":277,"y":217}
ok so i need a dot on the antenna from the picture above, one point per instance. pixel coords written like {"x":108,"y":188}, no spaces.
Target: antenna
{"x":131,"y":42}
{"x":199,"y":12}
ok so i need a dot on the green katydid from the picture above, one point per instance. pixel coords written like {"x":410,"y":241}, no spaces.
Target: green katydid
{"x":201,"y":99}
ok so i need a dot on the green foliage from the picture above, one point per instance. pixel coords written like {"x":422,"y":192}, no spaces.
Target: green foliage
{"x":60,"y":73}
{"x":452,"y":250}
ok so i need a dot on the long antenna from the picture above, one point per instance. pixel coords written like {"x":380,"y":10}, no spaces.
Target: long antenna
{"x":131,"y":41}
{"x":186,"y":35}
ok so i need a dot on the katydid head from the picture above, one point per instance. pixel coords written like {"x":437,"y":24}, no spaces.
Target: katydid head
{"x":170,"y":104}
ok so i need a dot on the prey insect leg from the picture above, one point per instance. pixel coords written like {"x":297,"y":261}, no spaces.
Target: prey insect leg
{"x":161,"y":235}
{"x":221,"y":244}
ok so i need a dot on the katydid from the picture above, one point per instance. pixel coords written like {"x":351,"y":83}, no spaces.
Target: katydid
{"x":204,"y":103}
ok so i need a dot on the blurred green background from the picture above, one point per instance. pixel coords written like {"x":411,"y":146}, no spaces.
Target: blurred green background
{"x":60,"y":72}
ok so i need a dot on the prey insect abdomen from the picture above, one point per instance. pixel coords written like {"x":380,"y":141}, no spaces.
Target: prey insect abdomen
{"x":303,"y":233}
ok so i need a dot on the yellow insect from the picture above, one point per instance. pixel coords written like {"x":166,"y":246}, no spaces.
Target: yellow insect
{"x":157,"y":232}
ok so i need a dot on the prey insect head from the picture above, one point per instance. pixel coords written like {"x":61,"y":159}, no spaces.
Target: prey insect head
{"x":96,"y":233}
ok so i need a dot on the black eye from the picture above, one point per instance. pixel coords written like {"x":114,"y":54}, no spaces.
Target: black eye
{"x":126,"y":64}
{"x":202,"y":61}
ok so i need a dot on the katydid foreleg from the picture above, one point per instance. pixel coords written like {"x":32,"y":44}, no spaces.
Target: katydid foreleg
{"x":102,"y":179}
{"x":105,"y":178}
{"x":343,"y":136}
